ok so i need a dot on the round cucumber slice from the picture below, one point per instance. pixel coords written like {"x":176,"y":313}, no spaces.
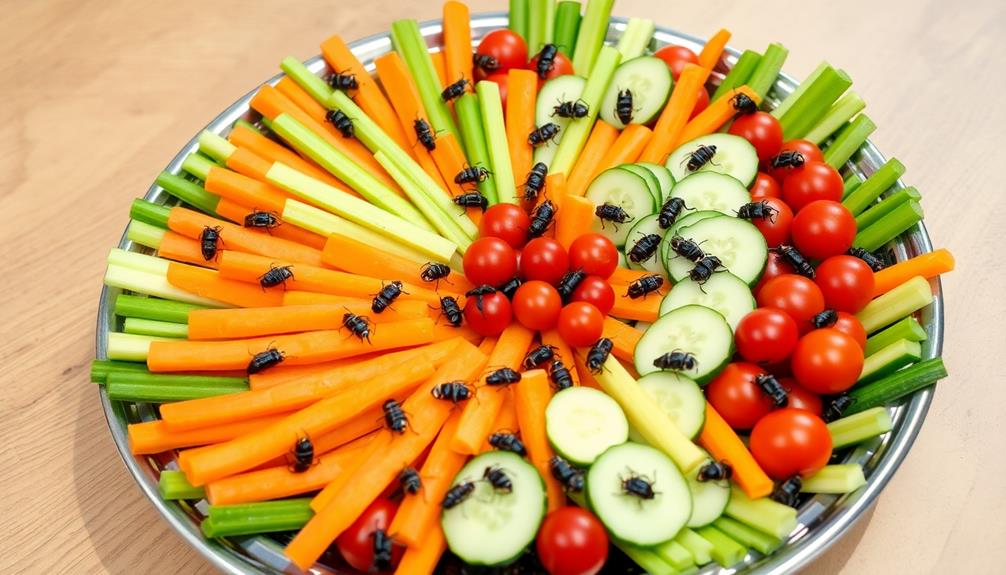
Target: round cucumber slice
{"x":558,"y":89}
{"x":734,"y":156}
{"x":663,"y":176}
{"x":582,"y":422}
{"x":679,"y":397}
{"x":712,"y":191}
{"x":626,"y":190}
{"x":651,"y":181}
{"x":723,"y":292}
{"x":682,"y":222}
{"x":648,"y":79}
{"x":709,"y":498}
{"x":645,"y":227}
{"x":693,"y":329}
{"x":738,"y":243}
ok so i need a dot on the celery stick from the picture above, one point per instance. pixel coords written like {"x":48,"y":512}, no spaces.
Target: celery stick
{"x":197,"y":165}
{"x":896,"y":222}
{"x":410,"y":44}
{"x":850,"y":184}
{"x":897,"y":385}
{"x":815,"y":102}
{"x":311,"y":84}
{"x":903,"y":300}
{"x":675,"y":554}
{"x":139,"y":281}
{"x":214,"y":146}
{"x":908,"y":328}
{"x":579,"y":129}
{"x":763,"y":514}
{"x":149,"y":212}
{"x":853,"y":429}
{"x":697,"y":546}
{"x":848,"y":141}
{"x":138,"y":326}
{"x":173,"y":486}
{"x":472,"y":130}
{"x":763,"y":77}
{"x":589,"y":42}
{"x":874,"y":186}
{"x":567,"y":24}
{"x":518,"y":17}
{"x":726,"y":551}
{"x":159,"y":388}
{"x":550,"y":22}
{"x":651,"y":563}
{"x":739,"y":73}
{"x":890,"y":359}
{"x":746,"y":536}
{"x":189,"y":192}
{"x":841,"y":112}
{"x":100,"y":368}
{"x":799,"y":91}
{"x":635,"y":38}
{"x":878,"y":211}
{"x":137,"y":261}
{"x":246,"y":124}
{"x":153,"y":308}
{"x":129,"y":347}
{"x":491,"y":107}
{"x":838,"y":479}
{"x":263,"y":517}
{"x":537,"y":22}
{"x":145,"y":234}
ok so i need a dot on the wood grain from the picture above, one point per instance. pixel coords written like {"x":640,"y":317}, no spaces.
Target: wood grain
{"x":98,"y":96}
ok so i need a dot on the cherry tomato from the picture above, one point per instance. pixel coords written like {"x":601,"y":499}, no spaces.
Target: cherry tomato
{"x":572,"y":541}
{"x":852,"y":327}
{"x":801,"y":398}
{"x":775,"y":228}
{"x":737,"y":397}
{"x":490,"y":261}
{"x":701,"y":103}
{"x":536,"y":305}
{"x":501,"y":79}
{"x":507,"y":222}
{"x":594,"y":254}
{"x":823,"y":229}
{"x":766,"y":336}
{"x":543,"y":259}
{"x":775,"y":266}
{"x":814,"y":181}
{"x":356,"y":544}
{"x":580,"y":324}
{"x":495,"y":315}
{"x":765,"y":186}
{"x":762,"y":130}
{"x":506,"y":46}
{"x":789,"y":442}
{"x":846,"y":282}
{"x":809,"y":151}
{"x":827,"y":361}
{"x":595,"y":290}
{"x":676,"y":58}
{"x":795,"y":295}
{"x":561,"y":66}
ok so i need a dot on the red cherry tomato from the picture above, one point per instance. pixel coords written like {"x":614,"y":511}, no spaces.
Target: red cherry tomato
{"x":356,"y":543}
{"x":594,"y":254}
{"x":852,"y":327}
{"x":595,"y":290}
{"x":775,"y":228}
{"x":789,"y":442}
{"x":572,"y":541}
{"x":823,"y":229}
{"x":801,"y":398}
{"x":775,"y":266}
{"x":762,"y":130}
{"x":561,"y":66}
{"x":737,"y":397}
{"x":543,"y":259}
{"x":495,"y":315}
{"x":809,"y":151}
{"x":507,"y":222}
{"x":507,"y":47}
{"x":501,"y":79}
{"x":580,"y":324}
{"x":795,"y":295}
{"x":766,"y":336}
{"x":490,"y":261}
{"x":676,"y":58}
{"x":701,"y":103}
{"x":765,"y":186}
{"x":846,"y":282}
{"x":814,"y":181}
{"x":827,"y":361}
{"x":536,"y":305}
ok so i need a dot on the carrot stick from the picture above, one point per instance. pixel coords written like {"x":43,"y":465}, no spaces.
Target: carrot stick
{"x":627,"y":147}
{"x":357,"y":257}
{"x":928,"y":265}
{"x":236,"y":213}
{"x":713,"y":49}
{"x":562,"y":350}
{"x":522,"y":92}
{"x":487,"y":345}
{"x":555,"y":190}
{"x":506,"y":420}
{"x":177,"y":247}
{"x":724,"y":445}
{"x":450,"y":160}
{"x":299,"y":297}
{"x":624,"y":337}
{"x":253,"y":142}
{"x":443,"y":331}
{"x":457,"y":42}
{"x":244,"y":189}
{"x":364,"y":423}
{"x":586,"y":377}
{"x":283,"y":373}
{"x":625,"y":276}
{"x":642,"y":309}
{"x":249,"y":164}
{"x":155,"y":437}
{"x":440,"y":65}
{"x":531,"y":396}
{"x":422,"y":560}
{"x":574,"y":220}
{"x":601,"y":139}
{"x":670,"y":124}
{"x":209,"y":283}
{"x":716,"y":115}
{"x":480,"y":412}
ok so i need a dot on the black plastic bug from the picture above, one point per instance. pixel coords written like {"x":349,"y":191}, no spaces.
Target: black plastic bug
{"x":875,"y":262}
{"x":472,"y":175}
{"x":394,"y":416}
{"x":450,"y":309}
{"x":547,"y":132}
{"x":788,"y":491}
{"x":771,"y":387}
{"x":571,"y":109}
{"x":638,"y":486}
{"x":535,"y":181}
{"x":387,"y":296}
{"x":670,"y":211}
{"x":569,"y":282}
{"x":623,"y":106}
{"x":265,"y":359}
{"x":570,"y":477}
{"x":612,"y":213}
{"x":358,"y":325}
{"x":510,"y":287}
{"x":452,"y":391}
{"x":758,"y":211}
{"x":541,"y":219}
{"x":341,"y":81}
{"x":645,"y":248}
{"x":478,"y":293}
{"x":342,"y":122}
{"x":546,"y":60}
{"x":277,"y":275}
{"x":560,"y":375}
{"x":787,"y":159}
{"x":704,"y":269}
{"x":508,"y":442}
{"x":434,"y":272}
{"x":502,"y":377}
{"x":677,"y":360}
{"x":700,"y":157}
{"x":687,"y":249}
{"x":472,"y":200}
{"x":209,"y":241}
{"x":455,"y":90}
{"x":644,"y":286}
{"x":836,"y":407}
{"x":410,"y":480}
{"x":498,"y":478}
{"x":486,"y":62}
{"x":598,"y":354}
{"x":793,"y":257}
{"x":743,"y":104}
{"x":424,"y":133}
{"x":826,"y":318}
{"x":262,"y":220}
{"x":457,"y":494}
{"x":382,"y":545}
{"x":715,"y":471}
{"x":538,"y":356}
{"x":303,"y":455}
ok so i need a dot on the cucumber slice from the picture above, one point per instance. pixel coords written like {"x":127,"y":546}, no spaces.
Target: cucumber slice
{"x":734,"y":156}
{"x":558,"y":89}
{"x":644,"y":227}
{"x":694,"y":329}
{"x":649,"y":80}
{"x":679,"y":397}
{"x":493,"y":528}
{"x":626,"y":190}
{"x":682,"y":222}
{"x":723,"y":292}
{"x":663,"y":176}
{"x":712,"y":191}
{"x":738,"y":243}
{"x":709,"y":499}
{"x":623,"y":262}
{"x":630,"y":518}
{"x":582,"y":422}
{"x":651,"y":181}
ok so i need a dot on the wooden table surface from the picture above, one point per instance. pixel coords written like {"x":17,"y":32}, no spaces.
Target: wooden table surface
{"x":98,"y":96}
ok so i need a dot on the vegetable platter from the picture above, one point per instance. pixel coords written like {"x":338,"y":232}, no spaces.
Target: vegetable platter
{"x":317,"y":349}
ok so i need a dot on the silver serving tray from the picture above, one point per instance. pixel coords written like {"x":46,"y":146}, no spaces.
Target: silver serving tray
{"x":822,"y":520}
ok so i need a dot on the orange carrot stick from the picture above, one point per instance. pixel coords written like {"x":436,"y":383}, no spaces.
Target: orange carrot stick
{"x":723,"y":445}
{"x":253,"y":142}
{"x":625,"y":276}
{"x":586,"y":377}
{"x":155,"y":437}
{"x":450,"y":161}
{"x":357,"y":257}
{"x":364,"y":423}
{"x":574,"y":219}
{"x":531,"y":396}
{"x":927,"y":265}
{"x":601,"y":139}
{"x":443,"y":331}
{"x":422,"y":560}
{"x":506,"y":420}
{"x":627,"y":147}
{"x":555,"y":190}
{"x":457,"y":41}
{"x":209,"y":283}
{"x":299,"y":297}
{"x":440,"y":65}
{"x":522,"y":92}
{"x":284,"y":373}
{"x":670,"y":124}
{"x":562,"y":351}
{"x":245,"y":190}
{"x":177,"y":247}
{"x":624,"y":337}
{"x":713,"y":49}
{"x":487,"y":345}
{"x":642,"y":309}
{"x":716,"y":115}
{"x":480,"y":412}
{"x":236,"y":213}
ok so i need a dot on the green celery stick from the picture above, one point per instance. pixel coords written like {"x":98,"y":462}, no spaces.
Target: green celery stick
{"x":746,"y":536}
{"x":156,"y":388}
{"x":410,"y":44}
{"x":901,"y":301}
{"x":651,"y":563}
{"x":263,"y":517}
{"x":589,"y":42}
{"x":472,"y":130}
{"x":197,"y":165}
{"x":739,"y":73}
{"x":763,"y":514}
{"x":696,"y":545}
{"x":538,"y":15}
{"x":152,"y":308}
{"x":550,"y":22}
{"x":763,"y":77}
{"x":799,"y":91}
{"x":567,"y":24}
{"x":189,"y":192}
{"x":491,"y":108}
{"x":675,"y":554}
{"x":890,"y":359}
{"x":859,"y":427}
{"x":850,"y":184}
{"x":519,"y":17}
{"x":579,"y":129}
{"x":214,"y":146}
{"x":100,"y":368}
{"x":137,"y":261}
{"x":838,"y":479}
{"x":246,"y":124}
{"x":150,"y":213}
{"x":814,"y":104}
{"x":726,"y":551}
{"x":129,"y":347}
{"x":878,"y":211}
{"x":841,"y":112}
{"x":153,"y":284}
{"x":897,"y":385}
{"x":173,"y":486}
{"x":896,"y":222}
{"x":145,"y":234}
{"x":156,"y":328}
{"x":874,"y":186}
{"x":848,"y":141}
{"x":312,"y":84}
{"x":908,"y":328}
{"x":635,"y":38}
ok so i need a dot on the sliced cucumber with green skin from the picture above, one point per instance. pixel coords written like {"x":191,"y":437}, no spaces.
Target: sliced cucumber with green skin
{"x":651,"y":181}
{"x":738,"y":243}
{"x":709,"y":499}
{"x":679,"y":397}
{"x":723,"y":292}
{"x":629,"y":518}
{"x":712,"y":191}
{"x":559,"y":89}
{"x":663,"y":176}
{"x":644,"y":227}
{"x":694,"y":329}
{"x":683,"y":221}
{"x":734,"y":156}
{"x":649,"y":79}
{"x":626,"y":190}
{"x":581,"y":423}
{"x":491,"y":527}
